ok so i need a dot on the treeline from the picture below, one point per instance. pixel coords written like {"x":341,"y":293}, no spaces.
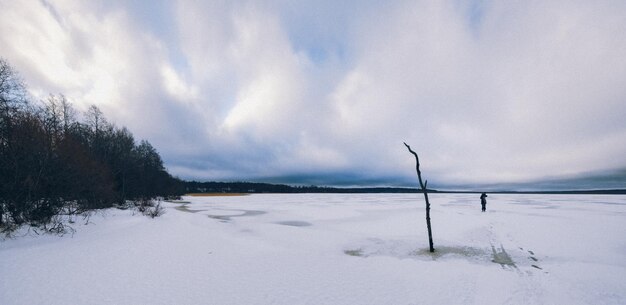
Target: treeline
{"x":256,"y":187}
{"x":259,"y":187}
{"x":51,"y":163}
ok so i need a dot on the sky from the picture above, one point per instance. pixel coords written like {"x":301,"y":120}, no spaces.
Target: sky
{"x":326,"y":92}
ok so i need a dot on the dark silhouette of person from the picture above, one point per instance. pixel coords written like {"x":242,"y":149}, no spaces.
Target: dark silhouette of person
{"x":483,"y":201}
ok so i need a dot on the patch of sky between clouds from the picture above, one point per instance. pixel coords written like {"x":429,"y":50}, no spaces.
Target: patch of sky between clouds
{"x":320,"y":31}
{"x":317,"y":54}
{"x":474,"y":11}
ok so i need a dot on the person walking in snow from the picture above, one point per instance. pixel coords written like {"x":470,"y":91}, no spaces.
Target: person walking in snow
{"x":483,"y":201}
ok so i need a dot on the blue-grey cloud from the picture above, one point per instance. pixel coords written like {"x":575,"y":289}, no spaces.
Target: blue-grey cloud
{"x":327,"y":91}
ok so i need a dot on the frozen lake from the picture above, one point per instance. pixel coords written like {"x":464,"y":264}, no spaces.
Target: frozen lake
{"x":332,"y":249}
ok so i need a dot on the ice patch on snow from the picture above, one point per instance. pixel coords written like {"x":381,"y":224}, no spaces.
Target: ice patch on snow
{"x":221,"y":214}
{"x":243,"y":213}
{"x":294,"y":223}
{"x":185,"y":208}
{"x":354,"y":252}
{"x":500,"y":256}
{"x":401,"y":249}
{"x":475,"y":254}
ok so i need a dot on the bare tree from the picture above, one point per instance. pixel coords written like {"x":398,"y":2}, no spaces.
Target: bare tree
{"x":95,"y":120}
{"x":12,"y":101}
{"x":12,"y":90}
{"x":69,"y":114}
{"x":423,"y":185}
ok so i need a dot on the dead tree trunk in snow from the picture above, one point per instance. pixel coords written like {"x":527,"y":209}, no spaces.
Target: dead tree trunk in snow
{"x":423,"y":186}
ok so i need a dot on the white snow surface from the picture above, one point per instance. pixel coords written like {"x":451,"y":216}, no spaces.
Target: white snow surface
{"x":331,"y":249}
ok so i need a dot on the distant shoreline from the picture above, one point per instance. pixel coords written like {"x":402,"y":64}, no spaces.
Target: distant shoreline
{"x":572,"y":192}
{"x":243,"y":188}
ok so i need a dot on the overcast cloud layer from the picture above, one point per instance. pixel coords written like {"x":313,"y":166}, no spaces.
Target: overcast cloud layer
{"x":326,"y":91}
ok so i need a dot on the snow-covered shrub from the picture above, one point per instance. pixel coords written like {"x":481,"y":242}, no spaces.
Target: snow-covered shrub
{"x":149,"y":208}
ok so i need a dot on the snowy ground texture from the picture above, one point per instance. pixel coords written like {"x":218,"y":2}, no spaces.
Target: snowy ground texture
{"x":332,"y":249}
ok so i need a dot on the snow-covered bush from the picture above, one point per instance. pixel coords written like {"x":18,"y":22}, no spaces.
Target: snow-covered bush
{"x":149,"y":208}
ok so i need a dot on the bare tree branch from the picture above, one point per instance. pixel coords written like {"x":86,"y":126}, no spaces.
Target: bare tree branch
{"x":425,"y":191}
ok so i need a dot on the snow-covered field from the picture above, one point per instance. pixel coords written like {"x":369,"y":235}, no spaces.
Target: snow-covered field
{"x":332,"y":249}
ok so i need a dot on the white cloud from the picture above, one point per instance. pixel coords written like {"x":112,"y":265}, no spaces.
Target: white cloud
{"x":492,"y":93}
{"x":176,"y":86}
{"x":487,"y":105}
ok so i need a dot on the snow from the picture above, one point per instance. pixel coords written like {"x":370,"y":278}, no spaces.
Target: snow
{"x":331,"y":249}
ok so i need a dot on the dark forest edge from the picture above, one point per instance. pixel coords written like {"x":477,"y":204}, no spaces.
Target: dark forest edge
{"x":52,"y":165}
{"x":260,"y":188}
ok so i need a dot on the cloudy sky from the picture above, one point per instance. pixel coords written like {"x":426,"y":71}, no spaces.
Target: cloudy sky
{"x":325,"y":92}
